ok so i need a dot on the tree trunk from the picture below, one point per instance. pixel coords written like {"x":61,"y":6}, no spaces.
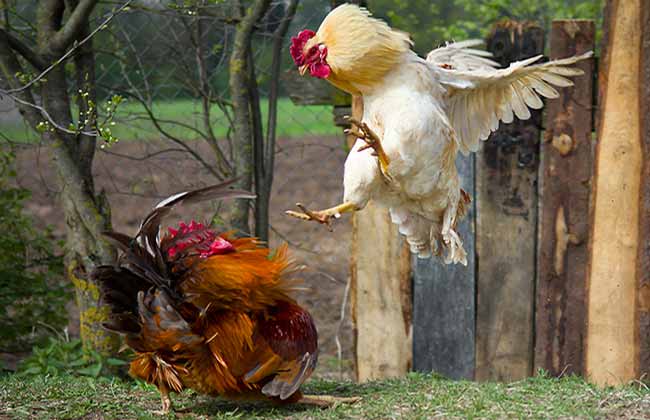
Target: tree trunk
{"x":87,"y":215}
{"x":242,"y":121}
{"x":265,"y":159}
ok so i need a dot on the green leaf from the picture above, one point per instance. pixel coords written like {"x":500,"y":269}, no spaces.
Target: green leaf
{"x":116,"y":362}
{"x":92,"y":370}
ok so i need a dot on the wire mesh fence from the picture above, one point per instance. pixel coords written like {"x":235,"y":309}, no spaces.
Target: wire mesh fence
{"x":167,"y":60}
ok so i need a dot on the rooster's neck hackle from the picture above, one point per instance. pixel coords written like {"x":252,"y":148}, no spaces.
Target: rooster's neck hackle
{"x":361,"y":49}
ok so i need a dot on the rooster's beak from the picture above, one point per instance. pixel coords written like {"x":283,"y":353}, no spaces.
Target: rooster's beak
{"x":303,"y":69}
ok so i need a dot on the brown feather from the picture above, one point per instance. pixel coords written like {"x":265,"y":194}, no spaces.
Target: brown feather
{"x":220,"y":323}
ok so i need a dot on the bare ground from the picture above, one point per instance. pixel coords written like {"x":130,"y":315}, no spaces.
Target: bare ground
{"x":307,"y":170}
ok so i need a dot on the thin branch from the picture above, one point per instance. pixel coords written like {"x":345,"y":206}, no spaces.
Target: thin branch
{"x":175,"y":139}
{"x":294,"y":245}
{"x":138,"y":60}
{"x":278,"y":41}
{"x":145,"y":157}
{"x":205,"y":93}
{"x":166,"y":121}
{"x":339,"y":326}
{"x":283,"y":149}
{"x":70,"y":51}
{"x":51,"y":120}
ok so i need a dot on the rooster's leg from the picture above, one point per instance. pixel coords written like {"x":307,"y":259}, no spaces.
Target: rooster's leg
{"x":166,"y":401}
{"x":362,"y":131}
{"x":326,"y":401}
{"x":451,"y":239}
{"x":322,"y":216}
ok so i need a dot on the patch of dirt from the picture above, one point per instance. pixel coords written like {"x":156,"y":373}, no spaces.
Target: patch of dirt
{"x":308,"y":170}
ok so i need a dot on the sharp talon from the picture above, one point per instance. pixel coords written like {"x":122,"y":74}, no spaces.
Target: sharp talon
{"x":307,"y":214}
{"x":365,"y":147}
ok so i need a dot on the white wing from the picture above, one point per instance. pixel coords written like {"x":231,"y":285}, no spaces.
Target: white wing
{"x":481,"y":95}
{"x":460,"y":56}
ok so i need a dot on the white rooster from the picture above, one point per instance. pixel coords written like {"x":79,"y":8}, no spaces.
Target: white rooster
{"x":418,"y":114}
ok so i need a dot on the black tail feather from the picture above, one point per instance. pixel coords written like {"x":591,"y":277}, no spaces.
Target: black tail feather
{"x":141,"y":267}
{"x":119,"y":289}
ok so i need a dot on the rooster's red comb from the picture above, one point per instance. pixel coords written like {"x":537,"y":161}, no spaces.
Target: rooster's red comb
{"x":298,"y":44}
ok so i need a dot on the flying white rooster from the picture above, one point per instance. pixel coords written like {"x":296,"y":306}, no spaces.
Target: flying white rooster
{"x":417,"y":115}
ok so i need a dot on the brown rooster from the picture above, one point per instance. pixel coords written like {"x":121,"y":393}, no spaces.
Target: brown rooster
{"x":207,"y":311}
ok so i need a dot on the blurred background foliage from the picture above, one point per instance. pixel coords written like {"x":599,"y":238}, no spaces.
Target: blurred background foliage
{"x":33,"y":292}
{"x":432,"y":23}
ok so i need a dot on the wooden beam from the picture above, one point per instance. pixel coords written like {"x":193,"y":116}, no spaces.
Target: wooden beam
{"x":566,"y":165}
{"x":643,"y":262}
{"x":380,"y":291}
{"x":307,"y":90}
{"x":612,"y":338}
{"x":443,"y":302}
{"x":506,"y":204}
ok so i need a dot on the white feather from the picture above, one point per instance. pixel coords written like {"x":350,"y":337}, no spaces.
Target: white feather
{"x":424,"y":113}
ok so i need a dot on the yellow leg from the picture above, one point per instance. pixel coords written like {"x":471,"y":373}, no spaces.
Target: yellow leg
{"x":322,"y":216}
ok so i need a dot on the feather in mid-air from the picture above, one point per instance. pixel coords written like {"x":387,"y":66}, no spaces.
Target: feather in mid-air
{"x":418,"y":114}
{"x":207,"y":311}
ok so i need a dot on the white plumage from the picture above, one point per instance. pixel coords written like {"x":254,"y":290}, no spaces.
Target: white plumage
{"x":424,"y":112}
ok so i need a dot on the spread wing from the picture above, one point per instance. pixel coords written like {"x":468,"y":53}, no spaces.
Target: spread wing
{"x":481,"y":95}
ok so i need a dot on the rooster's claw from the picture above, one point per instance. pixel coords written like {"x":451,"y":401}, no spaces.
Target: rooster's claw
{"x":306,"y":214}
{"x":360,"y":130}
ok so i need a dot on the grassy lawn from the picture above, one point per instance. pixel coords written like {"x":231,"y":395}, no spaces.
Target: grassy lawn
{"x":132,"y":122}
{"x":415,"y":397}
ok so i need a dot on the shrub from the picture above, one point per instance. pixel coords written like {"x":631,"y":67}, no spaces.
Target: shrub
{"x":62,"y":356}
{"x":33,"y":290}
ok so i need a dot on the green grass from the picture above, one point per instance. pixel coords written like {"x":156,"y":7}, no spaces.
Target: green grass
{"x":415,"y":397}
{"x":132,"y":122}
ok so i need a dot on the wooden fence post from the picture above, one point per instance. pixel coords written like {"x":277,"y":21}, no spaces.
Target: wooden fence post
{"x":443,"y":302}
{"x":506,"y":204}
{"x":566,"y":165}
{"x":380,"y":292}
{"x":643,"y":262}
{"x":618,"y":222}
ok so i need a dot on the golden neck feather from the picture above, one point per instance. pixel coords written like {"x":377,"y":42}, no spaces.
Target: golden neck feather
{"x":361,"y":50}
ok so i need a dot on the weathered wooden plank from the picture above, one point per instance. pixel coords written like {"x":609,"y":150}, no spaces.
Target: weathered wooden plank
{"x":506,"y":204}
{"x":612,"y":338}
{"x":307,"y":90}
{"x":381,"y":296}
{"x":566,"y":166}
{"x":443,"y":302}
{"x":380,"y":291}
{"x":643,"y":262}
